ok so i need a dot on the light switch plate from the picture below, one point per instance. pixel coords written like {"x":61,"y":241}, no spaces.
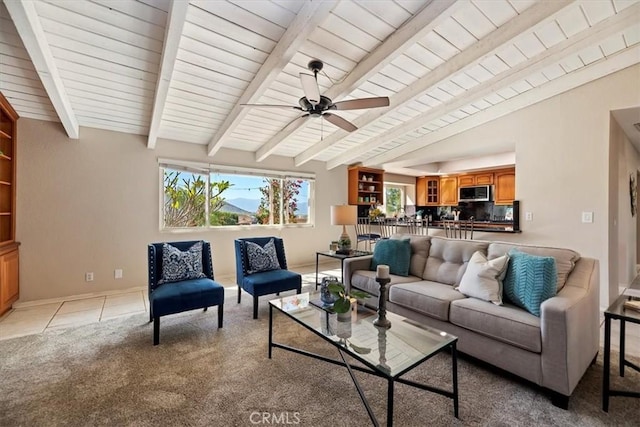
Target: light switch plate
{"x":587,"y":217}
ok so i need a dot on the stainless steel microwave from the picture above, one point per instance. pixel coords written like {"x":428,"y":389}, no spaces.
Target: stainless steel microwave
{"x":478,"y":193}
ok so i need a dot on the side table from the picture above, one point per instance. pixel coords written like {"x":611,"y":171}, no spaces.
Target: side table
{"x":618,"y":312}
{"x":341,"y":257}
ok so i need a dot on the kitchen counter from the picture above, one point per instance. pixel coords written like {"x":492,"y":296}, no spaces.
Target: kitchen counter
{"x":483,"y":226}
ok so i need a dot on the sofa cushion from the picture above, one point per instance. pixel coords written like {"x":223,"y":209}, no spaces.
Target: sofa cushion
{"x":419,"y":252}
{"x":483,"y":278}
{"x":366,"y":280}
{"x":394,"y":253}
{"x":506,"y":323}
{"x":448,"y":259}
{"x":565,"y":258}
{"x":530,"y":280}
{"x":426,"y":297}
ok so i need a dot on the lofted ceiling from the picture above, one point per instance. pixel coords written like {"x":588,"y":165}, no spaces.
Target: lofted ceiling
{"x":180,"y":69}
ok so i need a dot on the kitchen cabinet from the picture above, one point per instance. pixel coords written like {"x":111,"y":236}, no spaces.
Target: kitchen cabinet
{"x":481,"y":178}
{"x":365,"y":185}
{"x":505,"y":186}
{"x":448,"y":191}
{"x":9,"y":284}
{"x":428,"y":191}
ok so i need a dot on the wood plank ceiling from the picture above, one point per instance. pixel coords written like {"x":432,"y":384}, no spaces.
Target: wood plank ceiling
{"x":180,"y":69}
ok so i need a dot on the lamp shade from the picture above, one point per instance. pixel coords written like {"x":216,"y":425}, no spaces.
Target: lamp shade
{"x":344,"y":215}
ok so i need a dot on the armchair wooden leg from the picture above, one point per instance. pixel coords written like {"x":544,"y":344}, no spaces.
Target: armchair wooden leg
{"x":205,"y":309}
{"x":239,"y":293}
{"x":255,"y":307}
{"x":220,"y":312}
{"x":156,"y":330}
{"x":299,"y":290}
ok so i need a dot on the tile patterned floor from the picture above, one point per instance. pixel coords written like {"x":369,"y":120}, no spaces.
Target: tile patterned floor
{"x":74,"y":312}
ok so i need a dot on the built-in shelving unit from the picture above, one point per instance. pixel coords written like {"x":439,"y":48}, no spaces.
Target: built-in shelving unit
{"x":9,"y":270}
{"x":365,"y":186}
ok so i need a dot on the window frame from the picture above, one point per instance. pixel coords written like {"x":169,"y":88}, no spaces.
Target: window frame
{"x":207,"y":170}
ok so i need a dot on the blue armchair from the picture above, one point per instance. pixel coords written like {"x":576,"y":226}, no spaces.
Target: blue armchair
{"x":169,"y":294}
{"x":273,"y":279}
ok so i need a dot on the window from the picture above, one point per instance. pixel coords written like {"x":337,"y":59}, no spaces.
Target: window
{"x":394,"y":199}
{"x":212,"y":196}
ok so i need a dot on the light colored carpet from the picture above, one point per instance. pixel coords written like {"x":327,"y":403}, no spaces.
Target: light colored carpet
{"x":109,"y":373}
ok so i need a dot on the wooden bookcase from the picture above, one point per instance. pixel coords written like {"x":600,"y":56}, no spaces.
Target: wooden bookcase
{"x":9,"y":270}
{"x":366,"y":186}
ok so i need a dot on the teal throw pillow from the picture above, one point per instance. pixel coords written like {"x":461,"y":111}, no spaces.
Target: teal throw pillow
{"x":530,"y":280}
{"x":394,"y":253}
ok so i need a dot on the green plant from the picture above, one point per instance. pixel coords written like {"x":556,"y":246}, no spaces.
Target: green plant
{"x":343,"y":300}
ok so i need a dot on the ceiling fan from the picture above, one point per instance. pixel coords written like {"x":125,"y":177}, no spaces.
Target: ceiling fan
{"x":315,"y":105}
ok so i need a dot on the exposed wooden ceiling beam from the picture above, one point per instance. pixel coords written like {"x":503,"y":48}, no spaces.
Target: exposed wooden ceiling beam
{"x":172,"y":35}
{"x":410,"y":32}
{"x":25,"y":17}
{"x":600,"y":31}
{"x":536,"y":14}
{"x":619,"y":61}
{"x":311,"y":15}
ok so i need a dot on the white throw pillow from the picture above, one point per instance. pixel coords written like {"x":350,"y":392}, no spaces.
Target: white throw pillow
{"x":483,"y":278}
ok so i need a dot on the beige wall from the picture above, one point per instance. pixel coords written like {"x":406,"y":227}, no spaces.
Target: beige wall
{"x":562,"y":164}
{"x":92,"y":205}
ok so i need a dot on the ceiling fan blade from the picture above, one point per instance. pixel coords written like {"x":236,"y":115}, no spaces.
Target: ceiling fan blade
{"x":340,"y":122}
{"x":310,"y":88}
{"x":271,"y":106}
{"x":361,"y":103}
{"x":304,"y":116}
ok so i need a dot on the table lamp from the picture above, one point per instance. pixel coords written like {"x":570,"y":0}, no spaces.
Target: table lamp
{"x":344,"y":215}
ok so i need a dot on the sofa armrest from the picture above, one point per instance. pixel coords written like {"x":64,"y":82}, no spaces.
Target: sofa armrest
{"x":570,"y":328}
{"x":354,"y":264}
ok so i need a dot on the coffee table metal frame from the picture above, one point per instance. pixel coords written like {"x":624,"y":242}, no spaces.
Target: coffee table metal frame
{"x":618,"y":312}
{"x":372,"y":369}
{"x":341,"y":257}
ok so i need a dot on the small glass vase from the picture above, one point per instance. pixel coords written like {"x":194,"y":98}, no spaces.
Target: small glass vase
{"x":325,"y":296}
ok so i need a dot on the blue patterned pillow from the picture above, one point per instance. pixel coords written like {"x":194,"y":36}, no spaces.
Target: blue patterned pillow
{"x":395,"y":253}
{"x":530,"y":280}
{"x":178,"y":265}
{"x":262,"y":259}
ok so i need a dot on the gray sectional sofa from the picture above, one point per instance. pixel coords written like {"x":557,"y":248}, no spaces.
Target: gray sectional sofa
{"x":552,"y":351}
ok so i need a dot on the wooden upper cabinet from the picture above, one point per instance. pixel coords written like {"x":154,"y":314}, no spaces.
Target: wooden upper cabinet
{"x":484,"y":178}
{"x":480,"y":178}
{"x":366,"y":185}
{"x":428,"y":191}
{"x":505,"y":186}
{"x":448,"y":191}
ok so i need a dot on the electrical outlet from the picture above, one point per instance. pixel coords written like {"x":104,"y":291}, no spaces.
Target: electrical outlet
{"x":587,"y":217}
{"x":88,"y":277}
{"x":117,"y":273}
{"x":528,"y":216}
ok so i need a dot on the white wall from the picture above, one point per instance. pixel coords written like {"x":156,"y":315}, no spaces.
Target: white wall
{"x":562,"y":164}
{"x":93,"y":205}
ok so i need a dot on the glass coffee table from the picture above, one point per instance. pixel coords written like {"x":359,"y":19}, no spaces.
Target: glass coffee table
{"x":387,"y":353}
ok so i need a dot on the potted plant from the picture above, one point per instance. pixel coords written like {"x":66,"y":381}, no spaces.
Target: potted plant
{"x":342,"y":303}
